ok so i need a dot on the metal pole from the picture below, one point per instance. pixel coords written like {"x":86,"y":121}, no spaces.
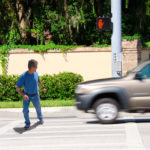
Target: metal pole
{"x":116,"y":41}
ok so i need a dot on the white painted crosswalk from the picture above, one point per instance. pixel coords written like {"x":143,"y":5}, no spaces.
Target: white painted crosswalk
{"x":62,"y":133}
{"x":70,"y":132}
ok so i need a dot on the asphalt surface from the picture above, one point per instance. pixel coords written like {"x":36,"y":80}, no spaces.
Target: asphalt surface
{"x":69,"y":129}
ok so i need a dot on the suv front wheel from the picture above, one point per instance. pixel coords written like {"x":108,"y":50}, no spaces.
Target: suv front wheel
{"x":106,"y":110}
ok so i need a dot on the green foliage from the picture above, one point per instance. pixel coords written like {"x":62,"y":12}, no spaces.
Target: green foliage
{"x":100,"y":45}
{"x":148,"y":7}
{"x":126,"y":5}
{"x":130,"y":38}
{"x":75,"y":25}
{"x":13,"y":36}
{"x":37,"y":48}
{"x":147,"y":44}
{"x":3,"y":58}
{"x":135,"y":19}
{"x":7,"y":88}
{"x":3,"y":62}
{"x":38,"y":25}
{"x":59,"y":86}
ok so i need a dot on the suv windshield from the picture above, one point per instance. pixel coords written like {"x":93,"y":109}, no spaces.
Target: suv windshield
{"x":139,"y":67}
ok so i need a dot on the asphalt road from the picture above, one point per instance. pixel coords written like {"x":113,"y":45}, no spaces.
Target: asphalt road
{"x":69,"y":129}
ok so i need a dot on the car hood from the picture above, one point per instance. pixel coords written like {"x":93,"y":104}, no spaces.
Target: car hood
{"x":107,"y":81}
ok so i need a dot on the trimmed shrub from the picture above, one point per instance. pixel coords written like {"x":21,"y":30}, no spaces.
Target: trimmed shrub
{"x":60,"y":86}
{"x":7,"y":88}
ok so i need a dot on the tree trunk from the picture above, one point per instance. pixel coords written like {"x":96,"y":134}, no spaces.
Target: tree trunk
{"x":67,"y":18}
{"x":23,"y":19}
{"x":99,"y":7}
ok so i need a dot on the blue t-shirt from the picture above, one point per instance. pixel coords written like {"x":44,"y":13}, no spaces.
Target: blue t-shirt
{"x":29,"y":82}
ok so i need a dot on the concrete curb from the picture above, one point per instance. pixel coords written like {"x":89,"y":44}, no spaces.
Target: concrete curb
{"x":44,"y":109}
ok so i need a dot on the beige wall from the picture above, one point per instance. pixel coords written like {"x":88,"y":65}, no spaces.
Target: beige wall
{"x":90,"y":62}
{"x":91,"y":65}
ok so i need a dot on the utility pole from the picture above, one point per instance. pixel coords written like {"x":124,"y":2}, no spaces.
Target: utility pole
{"x":116,"y":41}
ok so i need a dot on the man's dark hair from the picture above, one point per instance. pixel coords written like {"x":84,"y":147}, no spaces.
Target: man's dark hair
{"x":32,"y":63}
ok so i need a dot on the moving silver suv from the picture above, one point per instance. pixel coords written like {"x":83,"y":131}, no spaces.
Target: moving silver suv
{"x":108,"y":96}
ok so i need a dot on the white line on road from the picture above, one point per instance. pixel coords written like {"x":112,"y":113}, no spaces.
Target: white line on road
{"x":133,"y":137}
{"x":9,"y":126}
{"x":61,"y":136}
{"x":78,"y":145}
{"x":77,"y":126}
{"x":68,"y":131}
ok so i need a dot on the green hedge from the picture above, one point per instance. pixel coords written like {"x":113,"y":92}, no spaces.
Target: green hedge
{"x":59,"y":86}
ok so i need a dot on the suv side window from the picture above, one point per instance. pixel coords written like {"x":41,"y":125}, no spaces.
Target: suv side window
{"x":145,"y":71}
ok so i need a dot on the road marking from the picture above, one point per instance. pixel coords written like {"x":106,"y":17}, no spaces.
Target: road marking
{"x":67,"y":145}
{"x":9,"y":126}
{"x":75,"y":126}
{"x":133,"y":137}
{"x":68,"y":131}
{"x":60,"y":136}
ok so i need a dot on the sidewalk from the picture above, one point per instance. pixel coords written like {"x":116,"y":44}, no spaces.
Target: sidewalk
{"x":44,"y":109}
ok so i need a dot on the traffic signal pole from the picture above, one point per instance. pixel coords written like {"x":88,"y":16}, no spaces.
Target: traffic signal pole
{"x":116,"y":41}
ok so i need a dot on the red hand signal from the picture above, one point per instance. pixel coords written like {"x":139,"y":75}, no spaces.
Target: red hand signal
{"x":100,"y":23}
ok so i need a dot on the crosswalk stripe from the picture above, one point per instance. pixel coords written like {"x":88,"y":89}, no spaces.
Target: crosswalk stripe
{"x":9,"y":126}
{"x":70,"y":145}
{"x":68,"y":131}
{"x":61,"y":136}
{"x":133,"y":136}
{"x":72,"y":126}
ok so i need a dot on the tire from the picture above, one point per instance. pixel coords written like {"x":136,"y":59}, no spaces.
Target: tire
{"x":106,"y":110}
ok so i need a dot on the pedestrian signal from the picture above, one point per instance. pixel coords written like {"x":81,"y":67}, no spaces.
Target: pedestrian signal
{"x":103,"y":23}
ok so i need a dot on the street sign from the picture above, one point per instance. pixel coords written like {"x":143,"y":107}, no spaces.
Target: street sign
{"x":103,"y":23}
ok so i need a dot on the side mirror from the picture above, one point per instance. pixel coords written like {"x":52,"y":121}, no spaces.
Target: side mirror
{"x":138,"y":76}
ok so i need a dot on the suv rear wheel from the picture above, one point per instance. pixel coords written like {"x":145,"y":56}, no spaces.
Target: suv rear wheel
{"x":106,"y":110}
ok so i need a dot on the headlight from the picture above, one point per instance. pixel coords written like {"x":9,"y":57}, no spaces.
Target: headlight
{"x":81,"y":89}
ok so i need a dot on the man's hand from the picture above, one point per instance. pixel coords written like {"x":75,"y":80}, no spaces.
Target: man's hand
{"x":25,"y":97}
{"x":45,"y":91}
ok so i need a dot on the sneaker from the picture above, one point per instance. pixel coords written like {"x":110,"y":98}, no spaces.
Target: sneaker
{"x":27,"y":126}
{"x":41,"y":121}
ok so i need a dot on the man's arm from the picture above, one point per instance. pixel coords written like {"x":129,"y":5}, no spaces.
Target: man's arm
{"x":22,"y":93}
{"x":42,"y":87}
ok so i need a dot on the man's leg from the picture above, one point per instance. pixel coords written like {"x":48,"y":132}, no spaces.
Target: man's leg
{"x":26,"y":111}
{"x":36,"y":103}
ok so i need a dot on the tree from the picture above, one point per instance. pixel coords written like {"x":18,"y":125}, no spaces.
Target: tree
{"x":67,"y":21}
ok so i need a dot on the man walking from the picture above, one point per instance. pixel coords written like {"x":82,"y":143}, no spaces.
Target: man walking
{"x":30,"y":80}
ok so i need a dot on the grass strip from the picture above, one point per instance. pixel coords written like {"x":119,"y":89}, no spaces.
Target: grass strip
{"x":44,"y":103}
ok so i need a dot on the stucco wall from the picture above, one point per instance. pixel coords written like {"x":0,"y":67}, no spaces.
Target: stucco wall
{"x":91,"y":64}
